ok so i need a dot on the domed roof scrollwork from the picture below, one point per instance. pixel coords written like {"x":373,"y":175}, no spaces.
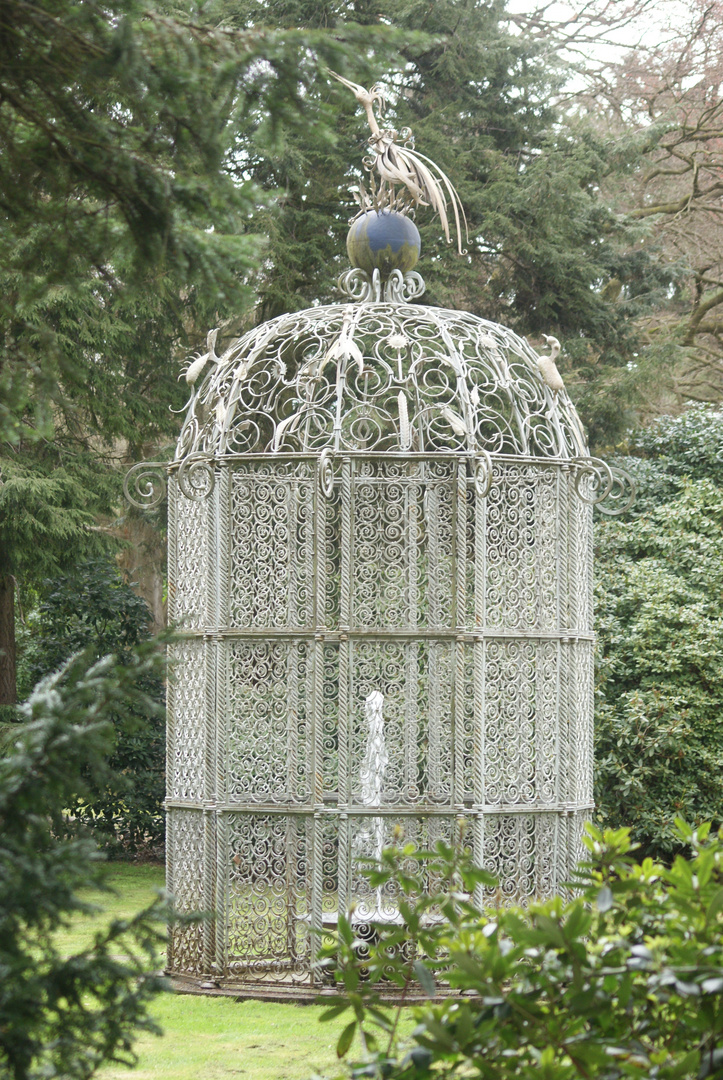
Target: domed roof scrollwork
{"x":383,"y":377}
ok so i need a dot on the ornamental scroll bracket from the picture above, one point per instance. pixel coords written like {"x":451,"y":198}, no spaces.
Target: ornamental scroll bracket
{"x":326,"y":473}
{"x":196,"y":477}
{"x":482,"y":473}
{"x":610,"y":489}
{"x":366,"y":288}
{"x":144,"y":486}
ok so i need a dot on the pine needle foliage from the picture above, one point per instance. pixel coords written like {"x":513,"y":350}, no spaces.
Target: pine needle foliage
{"x":127,"y":222}
{"x":123,"y":176}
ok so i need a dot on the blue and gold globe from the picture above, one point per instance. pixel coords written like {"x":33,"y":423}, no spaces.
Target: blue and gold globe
{"x":383,"y":240}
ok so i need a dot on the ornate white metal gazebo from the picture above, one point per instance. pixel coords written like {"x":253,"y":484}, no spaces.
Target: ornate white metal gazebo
{"x":380,"y":559}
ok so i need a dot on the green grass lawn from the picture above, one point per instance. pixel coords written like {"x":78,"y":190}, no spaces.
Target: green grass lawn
{"x":206,"y":1038}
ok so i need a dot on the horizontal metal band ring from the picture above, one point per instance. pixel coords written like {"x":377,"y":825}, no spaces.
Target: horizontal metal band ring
{"x":468,"y":636}
{"x":403,"y":812}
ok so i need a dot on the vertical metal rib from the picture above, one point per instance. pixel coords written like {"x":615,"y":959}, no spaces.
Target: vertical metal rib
{"x":221,"y":907}
{"x":316,"y":824}
{"x":317,"y":560}
{"x":460,"y":613}
{"x":170,"y":697}
{"x":345,"y":621}
{"x":415,"y":473}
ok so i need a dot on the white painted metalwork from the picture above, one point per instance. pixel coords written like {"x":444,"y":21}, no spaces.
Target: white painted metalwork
{"x":382,"y":377}
{"x":380,"y":552}
{"x":407,"y":179}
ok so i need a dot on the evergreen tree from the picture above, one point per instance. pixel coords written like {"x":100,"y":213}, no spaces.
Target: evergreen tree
{"x":94,"y":610}
{"x":48,"y":503}
{"x":545,"y":254}
{"x":125,"y":211}
{"x":66,"y":1015}
{"x":122,"y":170}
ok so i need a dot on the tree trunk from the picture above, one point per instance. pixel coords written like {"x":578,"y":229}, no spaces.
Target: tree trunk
{"x":8,"y":683}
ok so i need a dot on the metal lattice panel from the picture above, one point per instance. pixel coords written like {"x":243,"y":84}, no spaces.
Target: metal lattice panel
{"x":188,"y":562}
{"x":269,"y":708}
{"x":272,"y":511}
{"x":186,"y":770}
{"x":268,"y":897}
{"x":186,"y":845}
{"x":384,"y":641}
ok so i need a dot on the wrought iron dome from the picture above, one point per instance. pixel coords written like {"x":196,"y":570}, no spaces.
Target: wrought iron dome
{"x":381,"y":374}
{"x":379,"y":377}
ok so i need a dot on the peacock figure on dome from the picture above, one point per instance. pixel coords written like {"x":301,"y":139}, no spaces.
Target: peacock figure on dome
{"x":383,"y":237}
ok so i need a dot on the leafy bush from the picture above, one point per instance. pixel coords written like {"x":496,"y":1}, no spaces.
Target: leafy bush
{"x":624,"y":979}
{"x":94,"y":610}
{"x":65,"y":1016}
{"x":689,"y":445}
{"x":659,"y":621}
{"x":671,"y":451}
{"x":659,"y":715}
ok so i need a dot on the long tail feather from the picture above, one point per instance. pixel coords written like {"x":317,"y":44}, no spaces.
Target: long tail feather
{"x":434,"y":191}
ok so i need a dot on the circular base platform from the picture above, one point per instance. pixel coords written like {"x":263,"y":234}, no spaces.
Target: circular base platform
{"x":208,"y":986}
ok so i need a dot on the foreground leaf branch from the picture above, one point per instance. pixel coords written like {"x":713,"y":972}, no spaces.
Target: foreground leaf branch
{"x":624,"y":977}
{"x":65,"y":1015}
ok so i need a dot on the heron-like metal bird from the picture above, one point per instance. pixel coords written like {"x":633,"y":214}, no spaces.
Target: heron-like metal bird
{"x":407,"y":179}
{"x":197,"y":364}
{"x":548,"y":368}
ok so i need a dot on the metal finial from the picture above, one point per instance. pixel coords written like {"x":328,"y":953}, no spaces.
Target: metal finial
{"x":399,"y":166}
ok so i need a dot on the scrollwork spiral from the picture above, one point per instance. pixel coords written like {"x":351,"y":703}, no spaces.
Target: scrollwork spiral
{"x":196,"y":477}
{"x":144,"y":485}
{"x":356,"y":284}
{"x":610,"y":489}
{"x":403,"y":288}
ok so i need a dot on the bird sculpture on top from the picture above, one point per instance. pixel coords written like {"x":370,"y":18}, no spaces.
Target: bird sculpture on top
{"x":407,"y":179}
{"x":548,"y":368}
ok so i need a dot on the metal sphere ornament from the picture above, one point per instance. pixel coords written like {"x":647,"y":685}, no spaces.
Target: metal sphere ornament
{"x":383,"y":240}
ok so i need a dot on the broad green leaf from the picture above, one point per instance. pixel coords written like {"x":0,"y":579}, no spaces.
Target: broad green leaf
{"x":425,"y":978}
{"x":345,"y":1039}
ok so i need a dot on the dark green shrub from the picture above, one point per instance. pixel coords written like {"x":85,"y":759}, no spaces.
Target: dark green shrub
{"x":94,"y":610}
{"x":659,"y":714}
{"x":659,"y":621}
{"x":623,"y":980}
{"x":689,"y":445}
{"x":63,"y":1016}
{"x":672,"y":451}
